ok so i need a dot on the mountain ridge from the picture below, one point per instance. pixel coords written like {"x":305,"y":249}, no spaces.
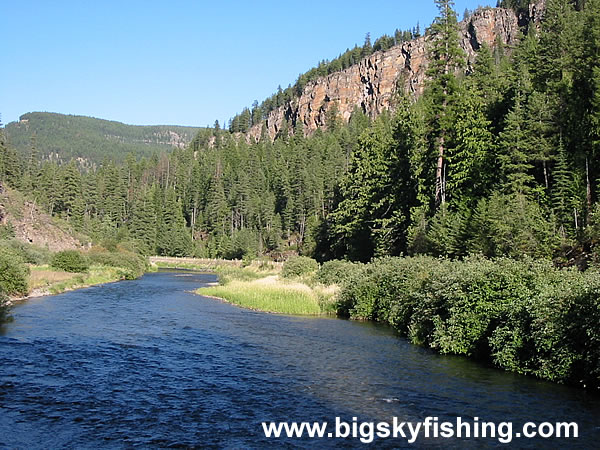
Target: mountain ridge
{"x":66,"y":136}
{"x":372,"y":83}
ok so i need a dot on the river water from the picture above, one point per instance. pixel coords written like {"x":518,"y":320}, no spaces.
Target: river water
{"x":146,"y":363}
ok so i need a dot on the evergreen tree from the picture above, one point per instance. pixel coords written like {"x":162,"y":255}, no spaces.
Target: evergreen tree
{"x":173,"y":238}
{"x":446,"y":57}
{"x":514,"y":161}
{"x":71,"y":202}
{"x":471,"y":161}
{"x":143,"y":222}
{"x":562,"y":192}
{"x":367,"y":48}
{"x":217,"y":209}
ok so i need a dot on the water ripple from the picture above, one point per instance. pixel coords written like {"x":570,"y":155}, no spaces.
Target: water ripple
{"x":146,"y":363}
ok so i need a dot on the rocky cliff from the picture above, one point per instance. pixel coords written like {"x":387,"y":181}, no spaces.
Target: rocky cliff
{"x":373,"y":83}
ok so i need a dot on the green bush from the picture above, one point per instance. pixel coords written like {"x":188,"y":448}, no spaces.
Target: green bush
{"x":337,"y":272}
{"x":4,"y":307}
{"x":14,"y":273}
{"x":298,"y":266}
{"x":135,"y":265}
{"x":523,"y":316}
{"x":70,"y":261}
{"x":7,"y":231}
{"x":29,"y":253}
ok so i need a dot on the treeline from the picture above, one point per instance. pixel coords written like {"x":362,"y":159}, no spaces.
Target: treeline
{"x":217,"y":198}
{"x":500,"y":160}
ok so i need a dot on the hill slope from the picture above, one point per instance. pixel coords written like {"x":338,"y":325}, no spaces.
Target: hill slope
{"x":64,"y":137}
{"x":32,"y":225}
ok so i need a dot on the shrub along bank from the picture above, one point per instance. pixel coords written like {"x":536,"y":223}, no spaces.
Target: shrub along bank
{"x":14,"y":272}
{"x":523,"y":316}
{"x":26,"y":268}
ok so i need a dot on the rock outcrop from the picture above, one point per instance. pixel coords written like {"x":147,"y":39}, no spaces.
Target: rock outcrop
{"x":372,"y":83}
{"x":32,"y":225}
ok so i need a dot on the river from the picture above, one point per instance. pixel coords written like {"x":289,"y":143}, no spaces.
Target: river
{"x":146,"y":363}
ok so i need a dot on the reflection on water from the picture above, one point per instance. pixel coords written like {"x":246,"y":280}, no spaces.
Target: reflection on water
{"x":147,"y":363}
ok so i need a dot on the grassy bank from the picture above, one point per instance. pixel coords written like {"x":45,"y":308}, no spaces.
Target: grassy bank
{"x":27,"y":270}
{"x":272,"y":294}
{"x":47,"y":280}
{"x":266,"y":290}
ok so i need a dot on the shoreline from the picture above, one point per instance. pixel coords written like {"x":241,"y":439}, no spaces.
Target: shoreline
{"x":98,"y":275}
{"x":249,"y":308}
{"x":270,"y":294}
{"x":46,"y":292}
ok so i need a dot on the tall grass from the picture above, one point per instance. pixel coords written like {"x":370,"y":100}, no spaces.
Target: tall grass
{"x":46,"y":279}
{"x":225,"y":270}
{"x":275,"y":297}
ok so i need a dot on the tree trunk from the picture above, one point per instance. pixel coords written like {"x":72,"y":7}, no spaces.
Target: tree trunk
{"x":589,"y":185}
{"x":440,"y":196}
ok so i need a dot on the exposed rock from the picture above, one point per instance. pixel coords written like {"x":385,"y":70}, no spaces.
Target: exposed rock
{"x":32,"y":225}
{"x":372,"y":83}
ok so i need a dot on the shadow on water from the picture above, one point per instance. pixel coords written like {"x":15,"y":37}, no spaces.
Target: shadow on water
{"x":147,"y":363}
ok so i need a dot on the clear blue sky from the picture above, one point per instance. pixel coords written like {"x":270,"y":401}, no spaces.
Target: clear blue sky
{"x":177,"y":62}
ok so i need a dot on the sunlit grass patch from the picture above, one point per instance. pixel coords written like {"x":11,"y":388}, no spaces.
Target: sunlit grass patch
{"x":250,"y":273}
{"x":44,"y":278}
{"x":271,"y":294}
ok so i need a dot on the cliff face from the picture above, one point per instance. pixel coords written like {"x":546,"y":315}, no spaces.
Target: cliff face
{"x":372,"y":84}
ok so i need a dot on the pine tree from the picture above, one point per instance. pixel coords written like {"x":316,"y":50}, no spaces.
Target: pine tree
{"x":143,"y":222}
{"x":112,"y":193}
{"x":90,"y":195}
{"x":488,"y":80}
{"x":562,"y":192}
{"x":446,"y":57}
{"x":12,"y":166}
{"x":541,"y":127}
{"x":173,"y":237}
{"x":71,"y":193}
{"x":512,"y":152}
{"x":367,"y":48}
{"x":217,"y":209}
{"x":470,"y":158}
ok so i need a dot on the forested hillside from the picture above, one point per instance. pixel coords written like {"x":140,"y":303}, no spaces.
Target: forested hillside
{"x":64,"y":137}
{"x":499,"y":157}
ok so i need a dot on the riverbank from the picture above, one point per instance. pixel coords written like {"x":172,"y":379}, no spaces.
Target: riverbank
{"x":524,"y":316}
{"x":45,"y":280}
{"x":273,"y":294}
{"x":259,"y":286}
